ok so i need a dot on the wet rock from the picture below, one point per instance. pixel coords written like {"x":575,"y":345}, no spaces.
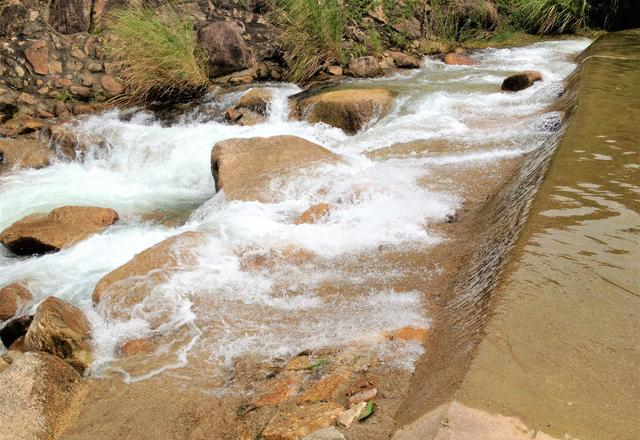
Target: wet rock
{"x":12,"y":297}
{"x":351,"y":415}
{"x":14,"y":329}
{"x":302,"y":421}
{"x":349,"y":109}
{"x":365,"y":67}
{"x":404,"y":60}
{"x":38,"y":56}
{"x":243,"y":117}
{"x":13,"y":17}
{"x":284,"y":387}
{"x":135,"y":346}
{"x":62,"y":227}
{"x":329,"y":433}
{"x":363,"y":396}
{"x":242,"y":166}
{"x":458,"y":59}
{"x":111,"y":85}
{"x":409,"y":333}
{"x":314,"y":214}
{"x":61,"y":329}
{"x":40,"y":395}
{"x":326,"y":388}
{"x":521,"y":81}
{"x":299,"y":362}
{"x":70,"y":16}
{"x":256,"y":100}
{"x":119,"y":290}
{"x":225,"y":48}
{"x":23,"y":153}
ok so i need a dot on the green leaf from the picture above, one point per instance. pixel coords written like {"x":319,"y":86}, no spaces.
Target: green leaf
{"x":368,"y":411}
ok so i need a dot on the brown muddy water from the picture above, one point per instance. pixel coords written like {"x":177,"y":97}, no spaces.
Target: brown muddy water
{"x":399,"y":286}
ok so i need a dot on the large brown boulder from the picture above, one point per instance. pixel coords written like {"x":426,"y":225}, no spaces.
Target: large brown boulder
{"x":23,"y":153}
{"x":12,"y":297}
{"x":349,"y":109}
{"x":404,"y":60}
{"x":70,"y":16}
{"x":458,"y":58}
{"x":225,"y":49}
{"x":40,"y":396}
{"x":365,"y":67}
{"x":62,"y":227}
{"x":256,"y":99}
{"x":521,"y":81}
{"x":119,"y":290}
{"x":242,"y":167}
{"x":61,"y":329}
{"x":13,"y":17}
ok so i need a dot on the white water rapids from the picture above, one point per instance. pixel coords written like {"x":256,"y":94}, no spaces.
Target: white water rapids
{"x":150,"y":167}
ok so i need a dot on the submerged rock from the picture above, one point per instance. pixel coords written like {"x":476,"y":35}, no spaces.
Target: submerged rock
{"x":349,"y":109}
{"x":225,"y":49}
{"x":302,"y":421}
{"x":40,"y":394}
{"x":61,"y":329}
{"x":12,"y":297}
{"x":326,"y":388}
{"x":314,"y":214}
{"x":62,"y":227}
{"x":521,"y":81}
{"x":242,"y":166}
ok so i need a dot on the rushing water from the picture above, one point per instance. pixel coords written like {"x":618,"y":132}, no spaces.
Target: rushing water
{"x":222,"y":311}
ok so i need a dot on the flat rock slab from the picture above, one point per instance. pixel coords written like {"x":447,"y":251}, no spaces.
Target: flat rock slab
{"x":62,"y":227}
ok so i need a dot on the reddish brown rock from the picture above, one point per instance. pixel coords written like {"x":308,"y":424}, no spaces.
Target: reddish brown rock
{"x":348,"y":109}
{"x":302,"y":421}
{"x":38,"y":56}
{"x":242,"y":166}
{"x":314,"y":214}
{"x":70,"y":16}
{"x":409,"y":333}
{"x":521,"y":81}
{"x":61,"y":329}
{"x":404,"y":60}
{"x":111,"y":85}
{"x":325,"y":389}
{"x":284,"y":387}
{"x":62,"y":227}
{"x":12,"y":297}
{"x":135,"y":346}
{"x":457,"y":59}
{"x":40,"y":396}
{"x":225,"y":48}
{"x":365,"y":67}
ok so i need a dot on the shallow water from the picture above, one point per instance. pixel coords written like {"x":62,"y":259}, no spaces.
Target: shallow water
{"x":218,"y":310}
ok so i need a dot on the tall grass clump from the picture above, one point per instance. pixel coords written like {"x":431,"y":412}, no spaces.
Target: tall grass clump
{"x":311,"y":32}
{"x":550,"y":16}
{"x":159,"y":59}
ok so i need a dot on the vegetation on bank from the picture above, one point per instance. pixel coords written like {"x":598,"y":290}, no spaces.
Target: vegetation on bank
{"x":157,"y":58}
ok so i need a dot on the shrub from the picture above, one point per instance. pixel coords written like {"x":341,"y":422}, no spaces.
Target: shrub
{"x":311,"y":31}
{"x":548,"y":16}
{"x":158,"y":59}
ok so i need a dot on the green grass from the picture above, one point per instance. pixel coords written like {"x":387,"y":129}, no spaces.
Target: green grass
{"x":311,"y":31}
{"x":547,"y":16}
{"x":157,"y":59}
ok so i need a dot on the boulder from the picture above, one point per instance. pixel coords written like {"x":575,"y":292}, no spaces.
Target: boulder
{"x":61,"y":329}
{"x":13,"y":17}
{"x":521,"y":81}
{"x":302,"y":421}
{"x":225,"y":48}
{"x":15,"y":329}
{"x":404,"y":61}
{"x":242,"y":167}
{"x":348,"y":109}
{"x":457,"y":59}
{"x":12,"y":297}
{"x":256,"y":100}
{"x":365,"y":67}
{"x":23,"y":153}
{"x":40,"y":396}
{"x":243,"y":117}
{"x":70,"y":16}
{"x":119,"y":290}
{"x":38,"y":56}
{"x":62,"y":227}
{"x":314,"y":214}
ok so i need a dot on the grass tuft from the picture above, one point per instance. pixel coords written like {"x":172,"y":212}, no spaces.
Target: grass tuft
{"x":157,"y":59}
{"x":548,"y":16}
